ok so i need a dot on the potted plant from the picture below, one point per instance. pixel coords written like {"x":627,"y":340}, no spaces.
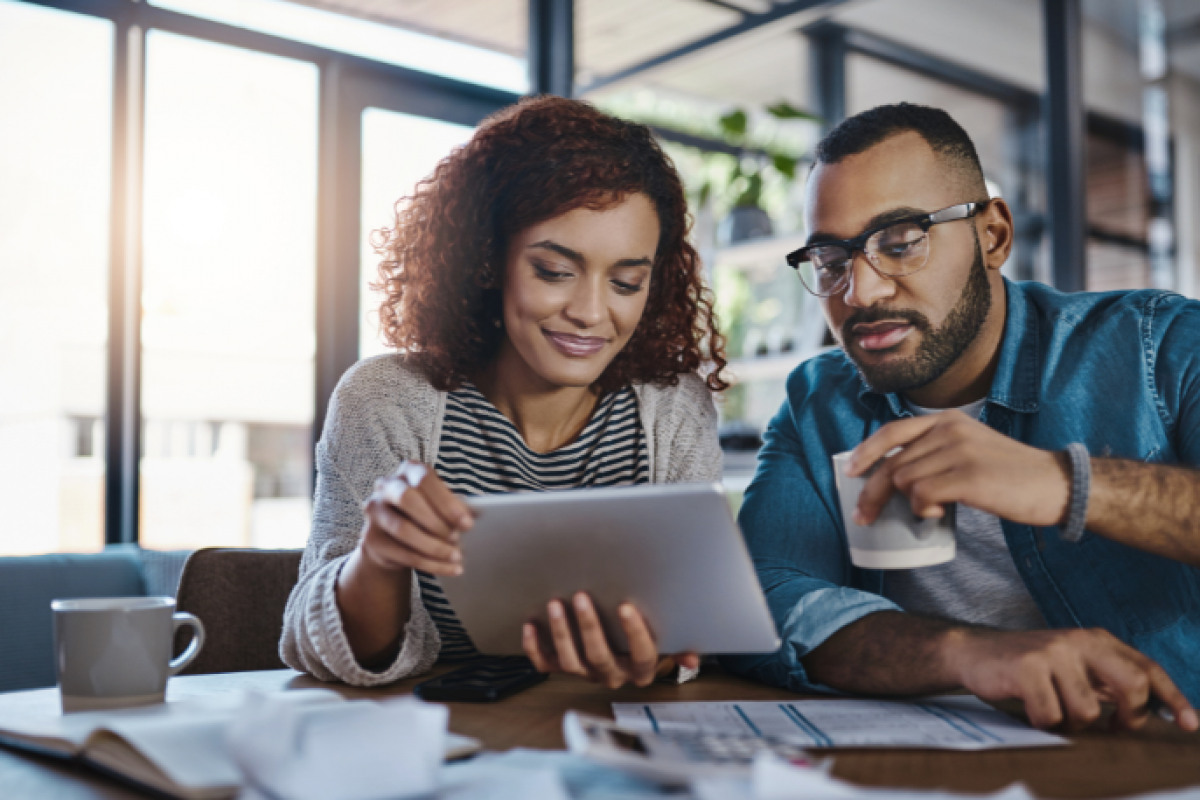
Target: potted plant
{"x":742,"y":190}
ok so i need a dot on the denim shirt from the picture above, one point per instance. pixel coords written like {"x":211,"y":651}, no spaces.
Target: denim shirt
{"x":1118,"y":371}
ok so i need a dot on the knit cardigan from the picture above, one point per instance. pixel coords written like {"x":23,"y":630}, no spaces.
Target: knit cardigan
{"x":384,"y":411}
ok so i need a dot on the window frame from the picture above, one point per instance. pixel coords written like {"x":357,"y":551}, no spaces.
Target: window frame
{"x":348,"y":85}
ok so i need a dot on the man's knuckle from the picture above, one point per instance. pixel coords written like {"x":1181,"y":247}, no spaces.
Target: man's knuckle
{"x":1051,"y":717}
{"x":1138,"y":683}
{"x":1067,"y":645}
{"x":1031,"y":666}
{"x":1156,"y":674}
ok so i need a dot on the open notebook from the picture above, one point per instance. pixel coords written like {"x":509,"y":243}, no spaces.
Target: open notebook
{"x":175,"y":748}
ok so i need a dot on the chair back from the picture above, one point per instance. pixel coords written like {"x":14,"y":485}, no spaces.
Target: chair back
{"x":240,"y":596}
{"x":27,"y":586}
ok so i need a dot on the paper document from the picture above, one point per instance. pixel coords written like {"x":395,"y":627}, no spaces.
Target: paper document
{"x":952,"y":722}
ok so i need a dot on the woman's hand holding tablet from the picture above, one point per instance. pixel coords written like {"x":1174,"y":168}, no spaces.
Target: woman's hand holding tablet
{"x":411,"y":521}
{"x":414,"y":521}
{"x":598,"y":663}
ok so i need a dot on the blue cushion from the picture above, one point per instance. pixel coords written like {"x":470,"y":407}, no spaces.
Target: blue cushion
{"x":29,"y":583}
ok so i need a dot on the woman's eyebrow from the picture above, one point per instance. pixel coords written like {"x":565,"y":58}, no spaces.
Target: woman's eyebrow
{"x":555,"y":247}
{"x":579,"y":258}
{"x":634,"y":262}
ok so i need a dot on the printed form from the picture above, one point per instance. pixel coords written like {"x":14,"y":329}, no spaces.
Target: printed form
{"x":951,"y":722}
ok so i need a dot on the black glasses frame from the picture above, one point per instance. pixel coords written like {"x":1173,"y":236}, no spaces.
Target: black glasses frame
{"x":858,"y":243}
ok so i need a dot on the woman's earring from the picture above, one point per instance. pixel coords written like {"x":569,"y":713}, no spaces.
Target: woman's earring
{"x":499,"y":323}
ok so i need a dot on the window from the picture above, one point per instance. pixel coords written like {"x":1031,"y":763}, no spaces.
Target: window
{"x":398,"y":151}
{"x":228,"y":331}
{"x":55,"y":155}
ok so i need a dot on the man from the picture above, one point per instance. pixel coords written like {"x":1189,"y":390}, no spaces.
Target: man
{"x":1075,"y":582}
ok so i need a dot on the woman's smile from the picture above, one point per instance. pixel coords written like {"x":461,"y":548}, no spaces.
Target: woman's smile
{"x":574,"y":346}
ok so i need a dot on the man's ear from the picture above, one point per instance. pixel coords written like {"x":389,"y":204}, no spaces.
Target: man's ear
{"x":996,"y":238}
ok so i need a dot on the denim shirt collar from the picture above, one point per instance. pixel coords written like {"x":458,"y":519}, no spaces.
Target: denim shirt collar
{"x":1016,"y":385}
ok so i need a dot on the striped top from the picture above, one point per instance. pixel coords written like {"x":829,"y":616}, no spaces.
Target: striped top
{"x":481,"y":452}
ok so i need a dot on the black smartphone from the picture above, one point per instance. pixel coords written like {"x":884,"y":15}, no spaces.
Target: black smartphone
{"x":484,"y":681}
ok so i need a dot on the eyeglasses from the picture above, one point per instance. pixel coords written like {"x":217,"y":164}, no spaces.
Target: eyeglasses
{"x":893,"y":250}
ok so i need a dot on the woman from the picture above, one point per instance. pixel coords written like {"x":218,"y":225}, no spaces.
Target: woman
{"x":552,"y":319}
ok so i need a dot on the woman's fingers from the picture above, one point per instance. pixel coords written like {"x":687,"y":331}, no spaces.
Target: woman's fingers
{"x":387,"y":551}
{"x":413,"y":503}
{"x":643,"y":653}
{"x":564,"y":642}
{"x":583,"y":648}
{"x":419,"y":514}
{"x":452,"y":508}
{"x":595,"y":644}
{"x":532,"y":645}
{"x":407,"y":534}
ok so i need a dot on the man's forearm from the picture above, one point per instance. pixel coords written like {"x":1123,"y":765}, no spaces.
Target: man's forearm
{"x":1152,"y":507}
{"x":887,"y":653}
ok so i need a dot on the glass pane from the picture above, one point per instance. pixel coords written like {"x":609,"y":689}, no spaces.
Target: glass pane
{"x":391,"y":43}
{"x":55,"y":164}
{"x":230,"y":270}
{"x":1141,"y":73}
{"x":1118,"y":206}
{"x":398,"y":150}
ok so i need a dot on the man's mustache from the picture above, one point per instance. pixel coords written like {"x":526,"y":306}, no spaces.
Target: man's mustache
{"x":875,"y":314}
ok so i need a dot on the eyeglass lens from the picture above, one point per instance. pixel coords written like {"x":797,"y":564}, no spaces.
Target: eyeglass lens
{"x":895,"y":251}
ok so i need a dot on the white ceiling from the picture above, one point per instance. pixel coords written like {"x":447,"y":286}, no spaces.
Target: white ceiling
{"x":1000,"y":38}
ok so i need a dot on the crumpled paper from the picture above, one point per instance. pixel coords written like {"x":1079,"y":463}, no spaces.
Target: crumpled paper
{"x":772,"y":778}
{"x":358,"y":750}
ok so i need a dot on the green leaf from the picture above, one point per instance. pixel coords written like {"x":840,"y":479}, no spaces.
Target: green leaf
{"x":752,"y":194}
{"x":785,"y":110}
{"x":704,"y":193}
{"x":784,"y":165}
{"x":734,"y":124}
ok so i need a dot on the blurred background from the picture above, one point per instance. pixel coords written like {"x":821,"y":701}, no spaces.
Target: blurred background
{"x":188,"y":187}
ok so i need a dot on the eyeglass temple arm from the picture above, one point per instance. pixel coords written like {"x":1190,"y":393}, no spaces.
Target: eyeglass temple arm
{"x":960,"y":211}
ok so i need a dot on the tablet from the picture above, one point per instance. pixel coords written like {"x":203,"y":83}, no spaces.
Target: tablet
{"x":673,"y":550}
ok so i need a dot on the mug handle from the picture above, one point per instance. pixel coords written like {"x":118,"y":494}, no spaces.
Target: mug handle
{"x":193,"y":649}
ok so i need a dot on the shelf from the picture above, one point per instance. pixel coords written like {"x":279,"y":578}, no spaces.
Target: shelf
{"x":766,"y":367}
{"x":756,"y":252}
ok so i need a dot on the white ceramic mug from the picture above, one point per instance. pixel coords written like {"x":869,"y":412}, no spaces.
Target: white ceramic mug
{"x":898,"y":538}
{"x":114,"y":652}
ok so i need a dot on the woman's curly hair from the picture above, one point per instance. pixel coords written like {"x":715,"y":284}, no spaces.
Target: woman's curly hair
{"x":444,"y":258}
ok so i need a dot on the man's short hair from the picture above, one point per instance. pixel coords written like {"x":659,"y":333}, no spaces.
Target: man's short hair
{"x":863,"y":131}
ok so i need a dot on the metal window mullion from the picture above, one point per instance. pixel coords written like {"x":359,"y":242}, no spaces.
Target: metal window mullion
{"x":339,"y":190}
{"x":1065,"y":164}
{"x":123,"y":411}
{"x":827,"y":72}
{"x":552,"y":47}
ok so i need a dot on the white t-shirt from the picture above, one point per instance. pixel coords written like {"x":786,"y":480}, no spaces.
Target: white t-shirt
{"x":981,"y":585}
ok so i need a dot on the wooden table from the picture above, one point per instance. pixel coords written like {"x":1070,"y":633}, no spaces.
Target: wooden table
{"x":1097,"y":764}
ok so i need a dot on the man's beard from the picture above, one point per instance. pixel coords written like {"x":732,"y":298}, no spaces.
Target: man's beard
{"x":939,"y":348}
